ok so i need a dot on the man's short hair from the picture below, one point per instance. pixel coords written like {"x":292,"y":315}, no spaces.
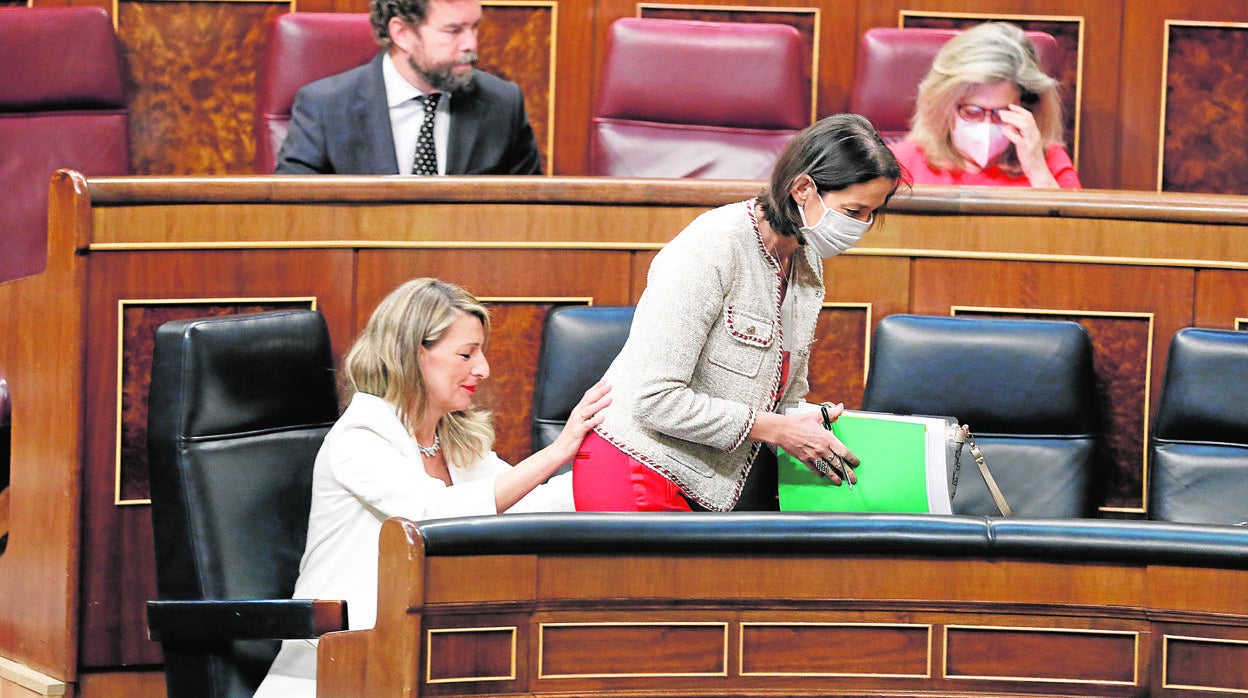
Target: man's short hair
{"x":380,"y":13}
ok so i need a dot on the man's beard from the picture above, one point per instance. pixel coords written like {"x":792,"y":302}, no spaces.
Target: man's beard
{"x":441,"y":78}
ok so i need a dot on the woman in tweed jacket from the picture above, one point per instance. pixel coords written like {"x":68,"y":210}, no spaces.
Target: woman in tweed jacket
{"x":721,"y":338}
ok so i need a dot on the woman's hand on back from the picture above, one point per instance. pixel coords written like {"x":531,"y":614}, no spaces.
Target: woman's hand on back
{"x":584,"y":417}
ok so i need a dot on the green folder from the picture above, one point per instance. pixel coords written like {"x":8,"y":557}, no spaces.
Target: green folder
{"x":903,"y":468}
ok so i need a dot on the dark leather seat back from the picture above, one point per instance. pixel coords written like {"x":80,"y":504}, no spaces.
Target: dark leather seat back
{"x":578,"y":344}
{"x":893,"y":61}
{"x":1198,"y":452}
{"x":1025,"y":387}
{"x":61,"y":106}
{"x":679,"y":98}
{"x":238,"y":409}
{"x":303,"y":47}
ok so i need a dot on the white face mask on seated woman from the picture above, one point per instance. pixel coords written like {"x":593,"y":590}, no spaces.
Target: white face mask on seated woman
{"x":834,"y":232}
{"x":981,"y":142}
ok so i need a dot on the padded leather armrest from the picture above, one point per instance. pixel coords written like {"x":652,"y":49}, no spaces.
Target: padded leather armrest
{"x":1203,"y":545}
{"x":780,"y":533}
{"x":815,"y":533}
{"x":265,"y":619}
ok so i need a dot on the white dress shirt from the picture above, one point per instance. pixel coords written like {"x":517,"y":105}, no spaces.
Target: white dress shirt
{"x":407,"y":114}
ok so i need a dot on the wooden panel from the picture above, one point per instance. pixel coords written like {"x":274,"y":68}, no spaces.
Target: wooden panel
{"x":45,"y":370}
{"x":1145,"y":89}
{"x":484,"y":579}
{"x":866,"y":289}
{"x":839,"y":354}
{"x":190,"y":72}
{"x":471,"y":654}
{"x":979,"y":581}
{"x":836,"y":649}
{"x":517,"y":43}
{"x":1068,"y":656}
{"x":121,"y":684}
{"x":1205,"y":143}
{"x":1203,"y":663}
{"x":117,"y":552}
{"x":1221,"y":300}
{"x":599,"y":650}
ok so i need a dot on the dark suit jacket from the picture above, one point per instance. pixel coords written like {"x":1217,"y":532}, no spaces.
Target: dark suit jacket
{"x":341,"y":125}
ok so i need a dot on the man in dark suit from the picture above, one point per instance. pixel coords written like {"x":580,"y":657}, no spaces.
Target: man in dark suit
{"x":371,"y":119}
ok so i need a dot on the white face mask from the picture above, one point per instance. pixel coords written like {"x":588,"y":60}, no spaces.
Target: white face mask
{"x":980,"y":142}
{"x":834,"y":232}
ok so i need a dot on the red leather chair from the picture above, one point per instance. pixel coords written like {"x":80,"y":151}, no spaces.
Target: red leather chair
{"x":303,"y":47}
{"x":62,"y":105}
{"x":716,"y":100}
{"x":893,"y":61}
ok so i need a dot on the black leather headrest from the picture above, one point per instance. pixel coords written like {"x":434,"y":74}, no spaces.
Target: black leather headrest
{"x":999,"y":376}
{"x":1202,"y":395}
{"x":578,"y":345}
{"x":251,"y":373}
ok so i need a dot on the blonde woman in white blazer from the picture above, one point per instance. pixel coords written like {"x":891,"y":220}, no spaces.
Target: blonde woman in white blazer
{"x":410,"y":443}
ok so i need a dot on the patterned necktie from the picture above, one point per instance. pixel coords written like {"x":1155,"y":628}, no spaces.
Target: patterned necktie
{"x":426,"y":152}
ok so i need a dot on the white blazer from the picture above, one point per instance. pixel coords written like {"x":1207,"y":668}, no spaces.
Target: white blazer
{"x":368,"y":470}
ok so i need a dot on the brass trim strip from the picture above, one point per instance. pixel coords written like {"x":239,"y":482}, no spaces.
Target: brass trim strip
{"x":562,"y":300}
{"x":919,"y":253}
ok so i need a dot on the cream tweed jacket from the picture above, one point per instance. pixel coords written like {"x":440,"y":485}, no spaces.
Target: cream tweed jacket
{"x":703,"y":356}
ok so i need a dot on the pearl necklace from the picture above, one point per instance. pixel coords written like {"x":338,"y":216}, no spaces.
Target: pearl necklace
{"x":429,"y":451}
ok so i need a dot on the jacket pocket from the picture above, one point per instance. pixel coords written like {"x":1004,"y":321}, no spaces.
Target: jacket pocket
{"x":681,"y":461}
{"x":748,"y":338}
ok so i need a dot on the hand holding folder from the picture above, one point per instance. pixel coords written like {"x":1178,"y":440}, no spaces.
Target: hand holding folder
{"x":903,"y":467}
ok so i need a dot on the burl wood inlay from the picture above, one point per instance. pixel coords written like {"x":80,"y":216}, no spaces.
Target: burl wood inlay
{"x":1206,"y":117}
{"x":190,"y":83}
{"x":517,"y":44}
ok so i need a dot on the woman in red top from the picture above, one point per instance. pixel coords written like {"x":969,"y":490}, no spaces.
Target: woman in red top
{"x":988,"y":115}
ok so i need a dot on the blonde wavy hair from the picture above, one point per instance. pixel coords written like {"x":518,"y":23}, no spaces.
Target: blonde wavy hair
{"x":983,"y":54}
{"x":383,"y":361}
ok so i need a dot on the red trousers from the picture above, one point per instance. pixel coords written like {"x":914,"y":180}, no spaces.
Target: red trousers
{"x":604,"y":478}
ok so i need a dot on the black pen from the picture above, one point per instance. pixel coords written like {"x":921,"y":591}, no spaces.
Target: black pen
{"x":844,"y":469}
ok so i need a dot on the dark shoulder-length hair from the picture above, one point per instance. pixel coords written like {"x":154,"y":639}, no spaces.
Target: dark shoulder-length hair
{"x":837,"y":152}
